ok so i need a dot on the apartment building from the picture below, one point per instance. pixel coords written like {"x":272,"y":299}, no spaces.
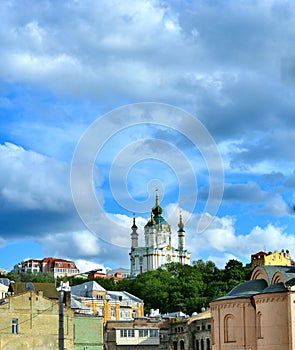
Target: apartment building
{"x":58,"y":267}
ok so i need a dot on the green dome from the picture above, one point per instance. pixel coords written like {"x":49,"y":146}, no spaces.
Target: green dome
{"x":157,"y":210}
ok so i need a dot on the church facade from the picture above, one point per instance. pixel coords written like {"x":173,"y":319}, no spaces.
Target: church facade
{"x":157,"y":250}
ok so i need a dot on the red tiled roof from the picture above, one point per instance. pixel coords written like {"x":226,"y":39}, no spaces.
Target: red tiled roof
{"x":56,"y":260}
{"x":258,"y":254}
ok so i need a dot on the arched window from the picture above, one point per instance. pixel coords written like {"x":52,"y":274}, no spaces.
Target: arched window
{"x":258,"y":323}
{"x":229,"y":331}
{"x":202,"y":344}
{"x":212,"y":331}
{"x":207,"y":344}
{"x":197,"y":344}
{"x":181,"y":343}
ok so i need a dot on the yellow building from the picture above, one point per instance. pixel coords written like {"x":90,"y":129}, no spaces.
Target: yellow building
{"x":112,"y":305}
{"x":29,"y":318}
{"x":271,"y":259}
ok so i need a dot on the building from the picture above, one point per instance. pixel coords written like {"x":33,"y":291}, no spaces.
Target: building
{"x":138,"y":334}
{"x":88,"y":332}
{"x":125,"y":273}
{"x":30,"y":265}
{"x":191,"y":332}
{"x":258,"y":314}
{"x":3,"y":272}
{"x":157,"y":250}
{"x":98,"y":273}
{"x":58,"y":267}
{"x":160,"y":332}
{"x":261,"y":258}
{"x":29,"y":318}
{"x":4,"y":285}
{"x":112,"y":305}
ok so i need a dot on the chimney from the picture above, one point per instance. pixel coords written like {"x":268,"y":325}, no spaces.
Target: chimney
{"x":67,"y":299}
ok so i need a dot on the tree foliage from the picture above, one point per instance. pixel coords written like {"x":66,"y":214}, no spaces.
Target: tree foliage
{"x":185,"y":288}
{"x":31,"y":277}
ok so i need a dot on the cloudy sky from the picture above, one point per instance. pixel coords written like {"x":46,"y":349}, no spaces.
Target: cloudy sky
{"x":220,"y":79}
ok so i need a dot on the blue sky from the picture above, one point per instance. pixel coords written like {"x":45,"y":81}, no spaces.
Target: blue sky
{"x":67,"y":67}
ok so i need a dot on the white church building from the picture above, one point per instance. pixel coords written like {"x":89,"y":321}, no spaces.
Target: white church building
{"x":157,"y":250}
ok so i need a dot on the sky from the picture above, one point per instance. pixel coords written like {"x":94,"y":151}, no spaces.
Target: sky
{"x":103,"y":102}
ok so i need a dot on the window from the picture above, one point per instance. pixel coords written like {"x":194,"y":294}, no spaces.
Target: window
{"x":229,"y":331}
{"x":197,"y":344}
{"x":259,"y":330}
{"x":124,"y":333}
{"x":154,"y":333}
{"x":181,"y":345}
{"x":14,"y":326}
{"x":130,"y":332}
{"x":143,"y":333}
{"x":175,"y":345}
{"x":207,"y":344}
{"x":212,"y":331}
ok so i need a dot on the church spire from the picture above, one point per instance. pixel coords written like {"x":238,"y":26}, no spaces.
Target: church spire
{"x":157,"y":210}
{"x":181,"y":234}
{"x":180,"y":224}
{"x":134,"y":224}
{"x":134,"y":234}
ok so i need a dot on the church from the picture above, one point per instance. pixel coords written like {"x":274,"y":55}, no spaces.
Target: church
{"x":157,"y":250}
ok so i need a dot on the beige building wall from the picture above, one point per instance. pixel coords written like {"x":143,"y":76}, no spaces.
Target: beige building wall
{"x":36,"y":322}
{"x":233,"y":325}
{"x":272,"y":321}
{"x":258,"y":314}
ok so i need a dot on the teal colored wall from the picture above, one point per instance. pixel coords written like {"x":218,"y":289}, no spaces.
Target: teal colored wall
{"x":88,"y":332}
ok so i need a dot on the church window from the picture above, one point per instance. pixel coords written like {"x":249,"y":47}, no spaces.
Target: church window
{"x":259,"y":328}
{"x":181,"y":345}
{"x":212,"y":331}
{"x":229,"y":331}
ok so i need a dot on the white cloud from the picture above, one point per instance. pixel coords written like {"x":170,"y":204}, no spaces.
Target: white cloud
{"x":71,"y":244}
{"x":111,"y":53}
{"x":86,"y":265}
{"x":220,"y":260}
{"x":31,"y":181}
{"x":2,"y":242}
{"x":222,"y":240}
